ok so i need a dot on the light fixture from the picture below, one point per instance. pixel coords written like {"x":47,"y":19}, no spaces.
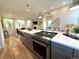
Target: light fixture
{"x":27,"y":5}
{"x":63,"y":3}
{"x":40,"y":15}
{"x":74,"y":6}
{"x":52,"y":7}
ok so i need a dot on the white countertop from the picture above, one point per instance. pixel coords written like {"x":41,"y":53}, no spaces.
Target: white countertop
{"x":31,"y":31}
{"x":59,"y":38}
{"x":67,"y":41}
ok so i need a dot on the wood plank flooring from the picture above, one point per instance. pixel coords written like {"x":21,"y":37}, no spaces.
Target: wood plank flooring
{"x":14,"y":49}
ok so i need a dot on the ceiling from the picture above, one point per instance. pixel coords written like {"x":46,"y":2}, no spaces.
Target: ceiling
{"x":18,"y":7}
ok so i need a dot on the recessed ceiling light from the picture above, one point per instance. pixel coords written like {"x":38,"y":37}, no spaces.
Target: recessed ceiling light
{"x":63,"y":3}
{"x":52,"y":8}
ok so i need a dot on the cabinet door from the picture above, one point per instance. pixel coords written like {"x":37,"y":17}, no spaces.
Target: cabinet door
{"x":59,"y":51}
{"x":56,"y":55}
{"x":76,"y":54}
{"x":28,"y":40}
{"x":75,"y":57}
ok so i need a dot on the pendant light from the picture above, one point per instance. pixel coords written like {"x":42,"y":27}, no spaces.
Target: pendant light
{"x":74,"y":6}
{"x":40,"y":15}
{"x":27,"y":5}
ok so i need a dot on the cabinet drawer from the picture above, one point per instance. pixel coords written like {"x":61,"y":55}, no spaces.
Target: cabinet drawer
{"x":67,"y":51}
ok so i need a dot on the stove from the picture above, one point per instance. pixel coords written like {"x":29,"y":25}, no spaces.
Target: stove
{"x":44,"y":36}
{"x":42,"y":44}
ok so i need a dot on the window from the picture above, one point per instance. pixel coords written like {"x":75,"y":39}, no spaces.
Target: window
{"x":28,"y":23}
{"x":44,"y":24}
{"x":20,"y":24}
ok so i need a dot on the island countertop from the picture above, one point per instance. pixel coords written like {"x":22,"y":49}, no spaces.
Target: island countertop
{"x":59,"y":38}
{"x":31,"y":31}
{"x":66,"y":41}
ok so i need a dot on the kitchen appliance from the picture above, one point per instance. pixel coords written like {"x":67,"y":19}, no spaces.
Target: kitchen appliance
{"x":45,"y":36}
{"x":42,"y":44}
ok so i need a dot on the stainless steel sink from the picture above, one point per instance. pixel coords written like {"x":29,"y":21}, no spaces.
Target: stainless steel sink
{"x":71,"y":36}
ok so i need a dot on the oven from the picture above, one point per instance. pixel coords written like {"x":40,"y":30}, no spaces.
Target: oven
{"x":41,"y":48}
{"x":42,"y":44}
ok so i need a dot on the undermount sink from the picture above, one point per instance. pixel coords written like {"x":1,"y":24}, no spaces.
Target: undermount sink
{"x":71,"y":36}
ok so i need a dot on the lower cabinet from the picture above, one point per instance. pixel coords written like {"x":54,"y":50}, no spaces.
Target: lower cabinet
{"x":76,"y":54}
{"x":76,"y":57}
{"x":27,"y":40}
{"x":59,"y":51}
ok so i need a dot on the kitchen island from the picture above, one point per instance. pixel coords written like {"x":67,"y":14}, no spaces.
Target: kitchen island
{"x":62,"y":47}
{"x":37,"y":41}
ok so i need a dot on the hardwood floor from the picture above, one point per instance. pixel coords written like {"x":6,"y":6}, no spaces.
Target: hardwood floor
{"x":14,"y":49}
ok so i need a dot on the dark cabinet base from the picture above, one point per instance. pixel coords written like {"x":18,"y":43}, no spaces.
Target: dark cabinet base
{"x":59,"y":51}
{"x":56,"y":55}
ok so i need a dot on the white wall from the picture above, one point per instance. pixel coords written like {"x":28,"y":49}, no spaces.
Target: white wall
{"x":1,"y":36}
{"x":71,"y":17}
{"x":30,"y":24}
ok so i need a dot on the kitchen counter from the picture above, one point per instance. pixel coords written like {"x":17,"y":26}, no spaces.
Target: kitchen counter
{"x":33,"y":42}
{"x":59,"y":38}
{"x":66,"y":41}
{"x":31,"y":31}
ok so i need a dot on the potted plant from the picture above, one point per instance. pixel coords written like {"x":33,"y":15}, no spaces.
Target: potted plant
{"x":76,"y":30}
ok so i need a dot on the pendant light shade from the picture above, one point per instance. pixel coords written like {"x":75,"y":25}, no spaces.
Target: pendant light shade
{"x":27,"y":5}
{"x":74,"y":6}
{"x":40,"y":15}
